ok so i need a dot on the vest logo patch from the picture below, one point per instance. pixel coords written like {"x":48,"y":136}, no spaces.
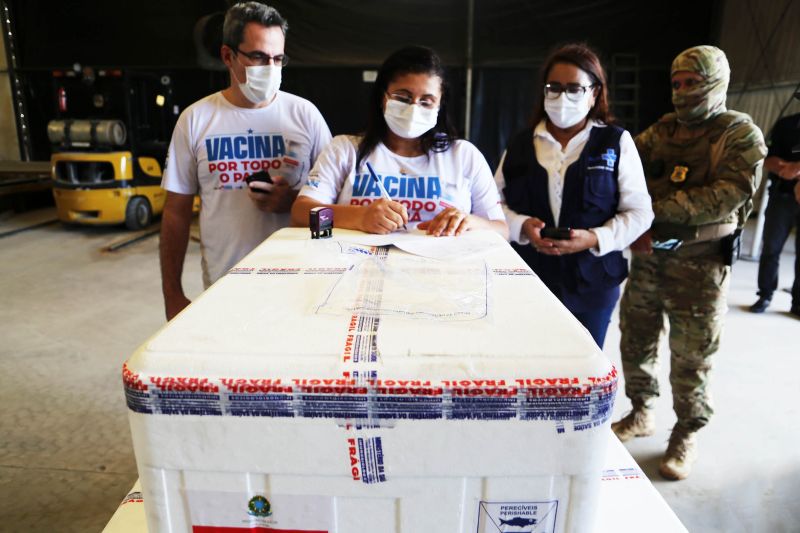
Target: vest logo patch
{"x":604,"y":161}
{"x":679,"y":174}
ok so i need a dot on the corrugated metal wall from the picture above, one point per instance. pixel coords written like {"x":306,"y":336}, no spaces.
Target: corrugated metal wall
{"x":750,"y":26}
{"x":765,"y":103}
{"x":762,"y":41}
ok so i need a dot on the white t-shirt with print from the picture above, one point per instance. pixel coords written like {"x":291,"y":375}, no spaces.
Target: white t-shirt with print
{"x":426,"y":184}
{"x":216,"y":145}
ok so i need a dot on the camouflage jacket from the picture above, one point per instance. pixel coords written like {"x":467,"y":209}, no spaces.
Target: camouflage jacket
{"x":701,"y":176}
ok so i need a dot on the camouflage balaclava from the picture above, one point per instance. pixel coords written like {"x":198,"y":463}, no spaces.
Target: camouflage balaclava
{"x":707,"y":98}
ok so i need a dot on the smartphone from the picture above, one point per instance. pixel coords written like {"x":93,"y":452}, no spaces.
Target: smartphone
{"x":559,"y":234}
{"x":669,"y":244}
{"x":261,"y":175}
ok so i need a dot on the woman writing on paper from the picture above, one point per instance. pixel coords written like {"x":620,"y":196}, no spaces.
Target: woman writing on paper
{"x":433,"y":180}
{"x":574,"y":190}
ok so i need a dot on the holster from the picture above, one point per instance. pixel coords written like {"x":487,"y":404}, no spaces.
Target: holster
{"x":731,"y":247}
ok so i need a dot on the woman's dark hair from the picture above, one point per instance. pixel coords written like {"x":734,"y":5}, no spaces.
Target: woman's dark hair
{"x":408,"y":60}
{"x":583,"y":57}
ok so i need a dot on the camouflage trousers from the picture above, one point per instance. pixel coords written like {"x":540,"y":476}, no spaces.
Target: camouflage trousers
{"x":691,"y":292}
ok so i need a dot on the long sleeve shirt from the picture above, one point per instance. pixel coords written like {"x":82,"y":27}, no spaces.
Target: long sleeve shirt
{"x":634,"y":211}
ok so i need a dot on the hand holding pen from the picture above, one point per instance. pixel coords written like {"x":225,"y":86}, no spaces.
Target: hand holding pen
{"x":383,"y":215}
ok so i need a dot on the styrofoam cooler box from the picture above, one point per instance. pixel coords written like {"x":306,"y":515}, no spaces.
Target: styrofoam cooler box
{"x":325,"y":386}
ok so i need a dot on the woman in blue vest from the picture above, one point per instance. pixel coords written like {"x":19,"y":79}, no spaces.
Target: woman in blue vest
{"x":573,"y":189}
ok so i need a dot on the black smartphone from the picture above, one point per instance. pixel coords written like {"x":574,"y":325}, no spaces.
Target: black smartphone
{"x":559,"y":234}
{"x":261,"y":175}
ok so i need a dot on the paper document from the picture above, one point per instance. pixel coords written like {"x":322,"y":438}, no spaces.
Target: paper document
{"x":417,"y":242}
{"x":411,"y":287}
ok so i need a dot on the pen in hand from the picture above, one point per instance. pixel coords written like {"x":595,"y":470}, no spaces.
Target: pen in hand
{"x":384,"y":192}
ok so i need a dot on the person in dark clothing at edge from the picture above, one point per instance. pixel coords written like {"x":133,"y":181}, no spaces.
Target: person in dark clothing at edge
{"x":783,"y":211}
{"x":574,"y":170}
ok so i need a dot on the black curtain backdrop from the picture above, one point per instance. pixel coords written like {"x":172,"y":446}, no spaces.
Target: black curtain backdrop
{"x":331,"y":42}
{"x":492,"y":124}
{"x":342,"y":96}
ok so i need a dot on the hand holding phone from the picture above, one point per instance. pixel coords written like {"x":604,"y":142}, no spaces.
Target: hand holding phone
{"x":558,"y":234}
{"x":262,"y":176}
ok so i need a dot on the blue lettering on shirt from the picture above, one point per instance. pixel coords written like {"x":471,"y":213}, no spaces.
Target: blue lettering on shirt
{"x":245,"y":147}
{"x":398,"y":187}
{"x":390,"y":184}
{"x":278,"y":148}
{"x":416,"y":188}
{"x":372,"y":188}
{"x":434,"y":187}
{"x":239,"y":144}
{"x":225,"y":148}
{"x":360,"y":184}
{"x":262,"y":147}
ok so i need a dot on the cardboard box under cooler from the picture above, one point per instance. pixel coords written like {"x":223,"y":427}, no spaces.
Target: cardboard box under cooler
{"x":326,"y":386}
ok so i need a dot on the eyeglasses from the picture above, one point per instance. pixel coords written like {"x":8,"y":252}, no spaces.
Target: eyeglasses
{"x":261,"y":59}
{"x":425,"y":102}
{"x":573,"y":91}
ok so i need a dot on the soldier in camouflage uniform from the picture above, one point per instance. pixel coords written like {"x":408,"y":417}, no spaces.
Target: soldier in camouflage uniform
{"x":701,"y":168}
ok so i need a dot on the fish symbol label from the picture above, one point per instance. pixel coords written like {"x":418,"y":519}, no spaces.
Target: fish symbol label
{"x":517,"y":517}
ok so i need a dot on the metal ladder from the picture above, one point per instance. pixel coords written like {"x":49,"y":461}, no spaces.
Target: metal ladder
{"x":625,"y":88}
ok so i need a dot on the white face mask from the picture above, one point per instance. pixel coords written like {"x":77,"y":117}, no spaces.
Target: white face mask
{"x":565,"y":113}
{"x":262,"y":83}
{"x":409,"y":121}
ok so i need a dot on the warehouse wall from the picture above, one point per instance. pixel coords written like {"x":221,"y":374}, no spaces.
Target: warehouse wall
{"x":765,"y":103}
{"x":762,"y":40}
{"x":331,"y":41}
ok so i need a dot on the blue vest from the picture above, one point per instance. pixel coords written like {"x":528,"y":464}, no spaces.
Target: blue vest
{"x":582,"y":281}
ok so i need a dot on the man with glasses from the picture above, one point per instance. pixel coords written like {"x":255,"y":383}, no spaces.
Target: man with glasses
{"x":701,"y":167}
{"x":246,"y":150}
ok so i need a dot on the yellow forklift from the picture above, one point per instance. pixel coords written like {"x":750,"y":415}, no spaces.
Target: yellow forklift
{"x":109,"y":143}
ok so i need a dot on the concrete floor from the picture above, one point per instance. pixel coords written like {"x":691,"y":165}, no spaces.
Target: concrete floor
{"x":747,"y":478}
{"x":71,"y":314}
